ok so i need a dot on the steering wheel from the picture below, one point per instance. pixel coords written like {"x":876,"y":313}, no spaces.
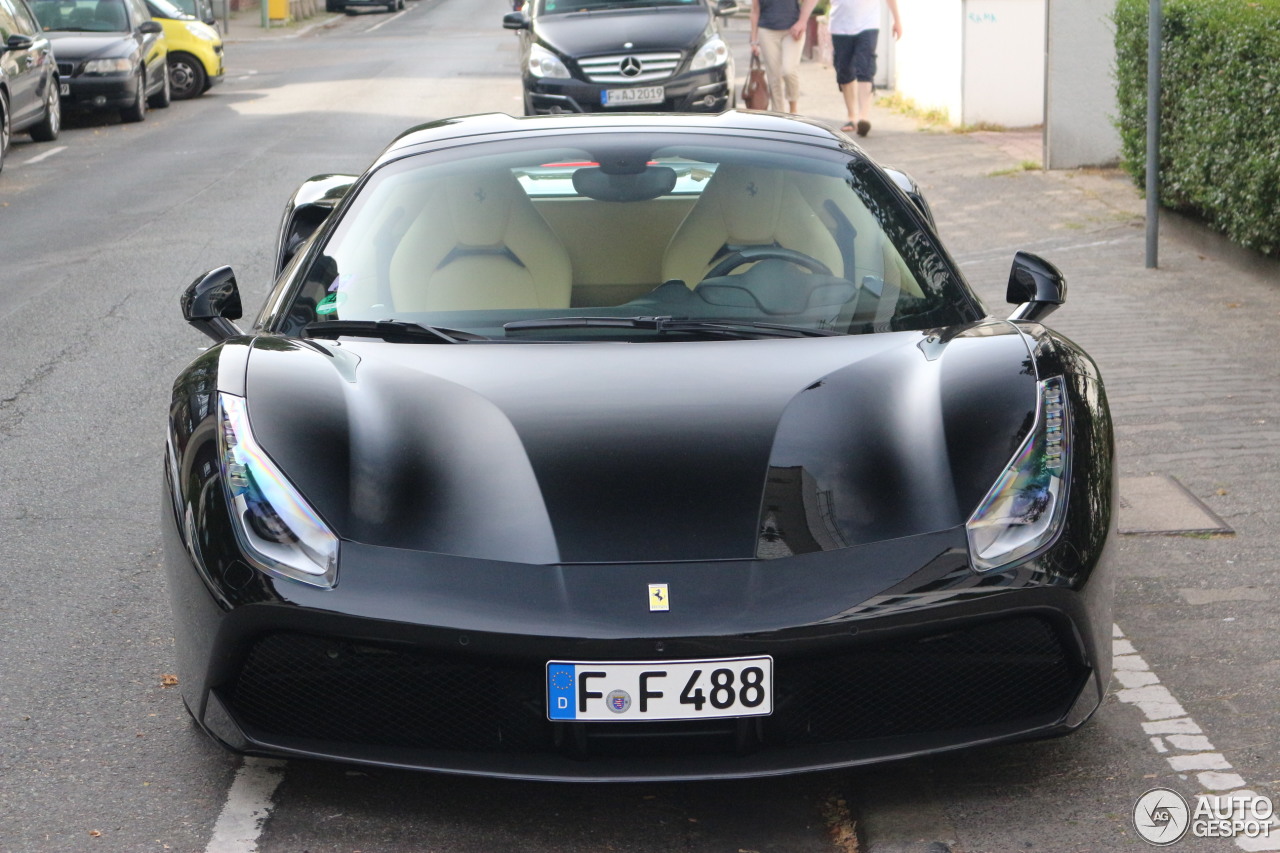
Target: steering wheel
{"x":752,"y":254}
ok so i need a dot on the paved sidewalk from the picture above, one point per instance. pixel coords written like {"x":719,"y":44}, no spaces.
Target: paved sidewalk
{"x":1187,"y":354}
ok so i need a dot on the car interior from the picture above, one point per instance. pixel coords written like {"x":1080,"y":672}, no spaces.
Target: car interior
{"x":614,"y":231}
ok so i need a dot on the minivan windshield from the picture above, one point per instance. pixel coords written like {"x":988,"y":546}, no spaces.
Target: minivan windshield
{"x":631,"y":236}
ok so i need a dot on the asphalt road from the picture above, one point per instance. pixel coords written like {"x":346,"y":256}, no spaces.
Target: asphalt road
{"x":100,"y":231}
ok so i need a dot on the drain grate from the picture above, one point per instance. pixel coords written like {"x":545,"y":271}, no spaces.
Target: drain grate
{"x":1162,"y":505}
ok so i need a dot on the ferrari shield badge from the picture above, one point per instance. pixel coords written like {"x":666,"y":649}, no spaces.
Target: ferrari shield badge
{"x":658,"y":597}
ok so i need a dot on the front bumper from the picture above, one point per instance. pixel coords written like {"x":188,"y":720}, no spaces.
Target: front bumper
{"x":99,"y":93}
{"x":438,"y":663}
{"x":707,"y":91}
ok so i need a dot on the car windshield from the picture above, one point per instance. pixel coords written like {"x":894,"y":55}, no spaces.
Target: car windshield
{"x":631,"y":236}
{"x":85,"y":16}
{"x":563,"y":7}
{"x":165,"y":9}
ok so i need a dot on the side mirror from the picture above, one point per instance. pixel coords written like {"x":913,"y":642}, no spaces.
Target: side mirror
{"x":515,"y":21}
{"x":211,"y":302}
{"x":18,"y":41}
{"x":1036,"y":286}
{"x":726,"y":7}
{"x":150,"y":28}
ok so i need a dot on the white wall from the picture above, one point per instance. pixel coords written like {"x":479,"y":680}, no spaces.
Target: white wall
{"x":1080,"y":87}
{"x":1004,"y":45}
{"x":928,"y":63}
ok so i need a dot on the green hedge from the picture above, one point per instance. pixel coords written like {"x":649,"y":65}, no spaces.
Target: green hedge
{"x":1220,"y":111}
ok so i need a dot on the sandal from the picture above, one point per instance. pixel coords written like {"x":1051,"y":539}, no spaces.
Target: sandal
{"x":847,"y":127}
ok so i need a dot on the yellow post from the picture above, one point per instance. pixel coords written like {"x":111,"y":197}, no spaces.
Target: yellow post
{"x":278,"y":9}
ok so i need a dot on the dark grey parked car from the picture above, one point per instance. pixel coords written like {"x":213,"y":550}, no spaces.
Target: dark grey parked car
{"x":29,"y":98}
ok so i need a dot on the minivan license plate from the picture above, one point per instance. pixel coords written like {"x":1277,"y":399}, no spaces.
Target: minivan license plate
{"x":659,"y":690}
{"x":629,"y":97}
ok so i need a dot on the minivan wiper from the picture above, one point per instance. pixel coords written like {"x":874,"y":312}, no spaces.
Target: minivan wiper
{"x":730,"y":327}
{"x":395,"y":331}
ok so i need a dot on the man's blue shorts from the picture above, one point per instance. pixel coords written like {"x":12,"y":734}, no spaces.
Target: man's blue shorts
{"x":855,"y":56}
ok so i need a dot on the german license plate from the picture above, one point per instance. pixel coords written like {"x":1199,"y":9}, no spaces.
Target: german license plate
{"x":630,"y":97}
{"x":659,"y":690}
{"x":64,"y":88}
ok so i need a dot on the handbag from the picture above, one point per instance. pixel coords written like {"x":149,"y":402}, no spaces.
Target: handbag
{"x":755,"y":92}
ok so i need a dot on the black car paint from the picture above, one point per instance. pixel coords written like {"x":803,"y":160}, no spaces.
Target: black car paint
{"x":574,"y":36}
{"x":511,"y":561}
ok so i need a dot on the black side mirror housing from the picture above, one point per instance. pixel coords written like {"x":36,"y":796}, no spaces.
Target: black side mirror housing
{"x":150,"y":28}
{"x":515,"y":21}
{"x":18,"y":41}
{"x":1036,"y":286}
{"x":211,"y":302}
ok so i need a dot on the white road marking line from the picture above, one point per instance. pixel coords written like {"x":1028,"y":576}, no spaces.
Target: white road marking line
{"x":248,"y":806}
{"x":384,"y":22}
{"x":45,"y":156}
{"x":1170,"y":726}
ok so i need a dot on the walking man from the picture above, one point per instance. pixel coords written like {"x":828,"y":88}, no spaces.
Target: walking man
{"x":855,"y":28}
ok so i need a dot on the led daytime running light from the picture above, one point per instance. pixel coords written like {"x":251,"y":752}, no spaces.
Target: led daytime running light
{"x":276,"y":528}
{"x":1023,"y":513}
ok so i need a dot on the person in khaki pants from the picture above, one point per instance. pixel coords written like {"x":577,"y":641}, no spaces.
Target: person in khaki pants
{"x":777,"y":36}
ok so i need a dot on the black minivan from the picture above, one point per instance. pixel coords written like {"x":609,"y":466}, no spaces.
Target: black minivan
{"x":588,"y":56}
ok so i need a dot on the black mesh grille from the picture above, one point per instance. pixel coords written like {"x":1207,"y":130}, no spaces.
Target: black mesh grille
{"x":1007,"y":672}
{"x":353,"y":693}
{"x":1000,"y":672}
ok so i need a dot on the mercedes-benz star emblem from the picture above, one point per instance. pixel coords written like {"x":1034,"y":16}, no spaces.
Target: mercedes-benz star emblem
{"x":630,"y":67}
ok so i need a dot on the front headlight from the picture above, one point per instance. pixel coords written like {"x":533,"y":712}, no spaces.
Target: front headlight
{"x":544,"y":63}
{"x":277,"y":530}
{"x":713,"y":53}
{"x":108,"y":66}
{"x":201,"y":31}
{"x":1023,"y":512}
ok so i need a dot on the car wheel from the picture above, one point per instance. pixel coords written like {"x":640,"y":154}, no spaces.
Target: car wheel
{"x":164,"y":97}
{"x":186,"y":76}
{"x":137,"y":111}
{"x":47,"y":129}
{"x":4,"y":128}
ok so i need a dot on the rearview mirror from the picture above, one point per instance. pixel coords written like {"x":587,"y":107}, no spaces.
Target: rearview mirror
{"x":211,"y":302}
{"x":515,"y":21}
{"x":150,"y":28}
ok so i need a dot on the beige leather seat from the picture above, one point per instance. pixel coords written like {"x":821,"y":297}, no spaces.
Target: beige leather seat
{"x":746,"y":206}
{"x":479,"y":243}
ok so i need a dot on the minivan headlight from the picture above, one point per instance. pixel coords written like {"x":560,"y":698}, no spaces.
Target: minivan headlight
{"x":544,"y":63}
{"x":1023,"y":513}
{"x":276,"y":528}
{"x":713,"y":53}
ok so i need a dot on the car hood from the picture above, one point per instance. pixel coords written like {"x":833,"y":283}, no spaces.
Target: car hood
{"x":588,"y":33}
{"x":75,"y":47}
{"x":606,"y":452}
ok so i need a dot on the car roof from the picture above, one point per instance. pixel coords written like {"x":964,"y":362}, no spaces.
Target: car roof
{"x":446,"y":132}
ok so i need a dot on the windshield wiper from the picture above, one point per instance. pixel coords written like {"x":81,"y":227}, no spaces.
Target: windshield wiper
{"x":394,"y":331}
{"x":730,"y":327}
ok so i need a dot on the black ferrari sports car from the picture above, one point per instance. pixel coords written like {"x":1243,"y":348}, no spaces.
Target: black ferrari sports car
{"x":633,"y":447}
